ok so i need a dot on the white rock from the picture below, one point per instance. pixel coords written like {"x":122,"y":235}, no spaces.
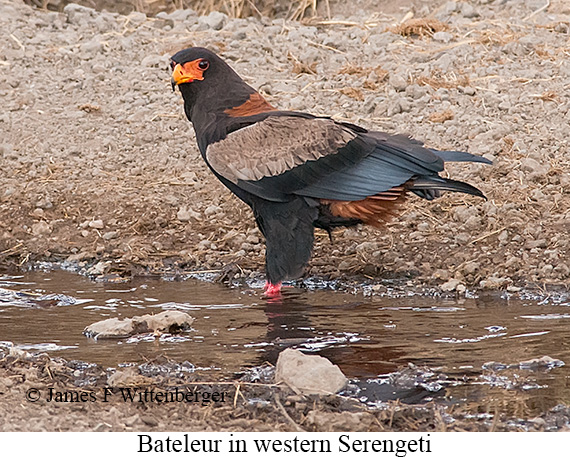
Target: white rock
{"x":309,"y":374}
{"x":215,"y":20}
{"x":166,"y":321}
{"x":97,"y":224}
{"x":185,"y":214}
{"x":450,"y":285}
{"x":398,"y":82}
{"x":444,"y":37}
{"x":41,"y":228}
{"x":77,"y":13}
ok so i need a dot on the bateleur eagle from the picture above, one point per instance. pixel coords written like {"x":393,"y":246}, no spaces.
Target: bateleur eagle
{"x":298,"y":171}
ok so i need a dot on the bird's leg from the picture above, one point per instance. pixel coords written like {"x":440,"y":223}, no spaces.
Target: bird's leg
{"x":272,"y":290}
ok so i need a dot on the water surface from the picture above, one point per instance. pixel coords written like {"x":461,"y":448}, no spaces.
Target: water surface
{"x":414,"y":348}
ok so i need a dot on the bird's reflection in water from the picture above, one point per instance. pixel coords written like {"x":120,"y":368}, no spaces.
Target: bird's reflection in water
{"x":297,"y":319}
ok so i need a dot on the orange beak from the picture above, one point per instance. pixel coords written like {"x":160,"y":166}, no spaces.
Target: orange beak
{"x":186,"y":74}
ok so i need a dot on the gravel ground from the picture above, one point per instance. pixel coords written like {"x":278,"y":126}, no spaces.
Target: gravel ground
{"x":99,"y":166}
{"x":248,"y":406}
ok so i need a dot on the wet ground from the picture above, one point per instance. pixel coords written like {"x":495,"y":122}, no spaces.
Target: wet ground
{"x":489,"y":351}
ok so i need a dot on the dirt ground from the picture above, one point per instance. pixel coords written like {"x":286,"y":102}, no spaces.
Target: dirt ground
{"x":99,"y":166}
{"x":100,"y":171}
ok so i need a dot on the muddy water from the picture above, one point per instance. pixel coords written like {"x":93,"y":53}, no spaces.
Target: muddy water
{"x":461,"y":350}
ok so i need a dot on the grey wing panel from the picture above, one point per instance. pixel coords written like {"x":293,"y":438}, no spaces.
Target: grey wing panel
{"x":275,"y":146}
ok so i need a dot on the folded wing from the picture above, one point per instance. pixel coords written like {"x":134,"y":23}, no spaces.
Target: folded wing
{"x":285,"y":155}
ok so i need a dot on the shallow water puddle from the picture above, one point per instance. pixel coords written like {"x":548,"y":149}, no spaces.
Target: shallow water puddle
{"x":412,"y":348}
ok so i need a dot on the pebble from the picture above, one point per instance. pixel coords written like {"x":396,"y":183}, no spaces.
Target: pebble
{"x":185,"y":214}
{"x":44,"y":203}
{"x":215,"y":20}
{"x":471,"y":268}
{"x":211,"y":210}
{"x":136,"y":18}
{"x":38,"y":212}
{"x":154,"y":60}
{"x":444,"y":37}
{"x":149,"y":420}
{"x":110,"y":235}
{"x":533,"y":244}
{"x":398,"y":82}
{"x":494,"y":283}
{"x":41,"y":228}
{"x":180,"y":15}
{"x":451,"y":285}
{"x":533,"y":167}
{"x":97,"y":224}
{"x":254,"y":239}
{"x":77,"y":14}
{"x":468,"y":10}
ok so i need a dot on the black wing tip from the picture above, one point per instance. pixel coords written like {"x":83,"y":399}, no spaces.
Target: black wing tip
{"x":429,"y":188}
{"x":461,"y":156}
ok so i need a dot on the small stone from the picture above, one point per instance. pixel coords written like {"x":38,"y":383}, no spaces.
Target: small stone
{"x":533,"y":167}
{"x":77,"y":13}
{"x":444,"y":37}
{"x":99,"y":268}
{"x":44,"y":203}
{"x":468,"y":11}
{"x":136,"y":18}
{"x":90,"y":48}
{"x":254,"y":239}
{"x":471,"y":268}
{"x":398,"y":82}
{"x":185,"y":214}
{"x":96,"y":224}
{"x":132,"y":420}
{"x":149,"y":420}
{"x":309,"y":374}
{"x":532,"y":244}
{"x":98,"y":68}
{"x":450,"y":7}
{"x":41,"y":228}
{"x":467,"y":90}
{"x":240,"y":35}
{"x":152,"y":60}
{"x":494,"y":283}
{"x":450,"y":285}
{"x":127,"y":378}
{"x":167,"y":321}
{"x":215,"y":20}
{"x":367,"y":246}
{"x":211,"y":210}
{"x":110,"y":235}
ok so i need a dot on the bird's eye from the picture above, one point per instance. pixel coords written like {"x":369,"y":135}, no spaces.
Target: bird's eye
{"x":172,"y":64}
{"x":203,"y":65}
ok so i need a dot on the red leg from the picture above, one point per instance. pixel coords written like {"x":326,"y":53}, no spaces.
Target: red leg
{"x":272,"y":290}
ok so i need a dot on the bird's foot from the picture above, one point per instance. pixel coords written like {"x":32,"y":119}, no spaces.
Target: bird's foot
{"x":272,"y":290}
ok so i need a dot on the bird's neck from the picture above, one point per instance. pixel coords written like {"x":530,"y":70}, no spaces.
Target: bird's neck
{"x":214,"y":116}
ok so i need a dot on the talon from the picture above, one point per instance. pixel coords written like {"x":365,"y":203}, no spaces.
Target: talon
{"x":272,"y":290}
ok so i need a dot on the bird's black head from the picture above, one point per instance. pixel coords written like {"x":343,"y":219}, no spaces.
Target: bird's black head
{"x":202,"y":71}
{"x":206,"y":82}
{"x":192,"y":64}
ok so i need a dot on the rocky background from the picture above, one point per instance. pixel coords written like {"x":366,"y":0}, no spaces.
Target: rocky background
{"x":99,"y":166}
